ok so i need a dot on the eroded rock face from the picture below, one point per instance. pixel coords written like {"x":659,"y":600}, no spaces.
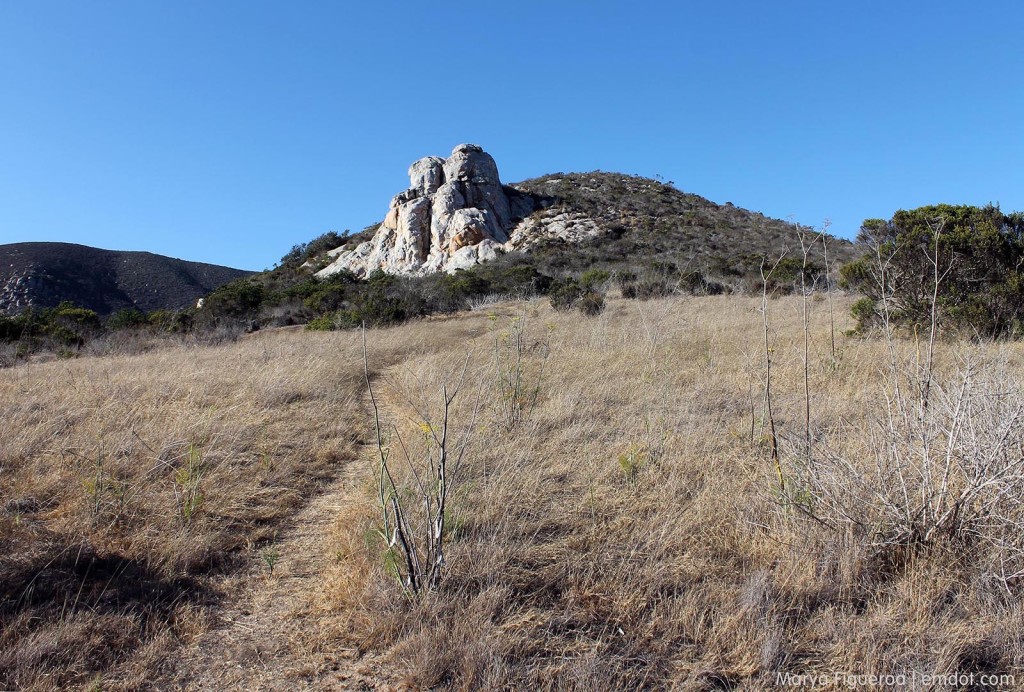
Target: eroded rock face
{"x":454,"y":214}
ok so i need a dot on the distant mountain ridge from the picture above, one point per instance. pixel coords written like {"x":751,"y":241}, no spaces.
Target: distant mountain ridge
{"x":40,"y":275}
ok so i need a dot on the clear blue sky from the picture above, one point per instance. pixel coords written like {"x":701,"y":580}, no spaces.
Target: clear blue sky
{"x":226,"y":132}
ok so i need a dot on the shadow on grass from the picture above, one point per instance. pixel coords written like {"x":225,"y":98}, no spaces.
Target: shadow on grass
{"x":69,"y":611}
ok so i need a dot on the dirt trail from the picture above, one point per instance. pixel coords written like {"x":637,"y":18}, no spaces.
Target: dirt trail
{"x":258,"y":644}
{"x":261,"y":641}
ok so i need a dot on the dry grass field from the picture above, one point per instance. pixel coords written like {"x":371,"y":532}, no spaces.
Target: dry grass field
{"x":209,"y":518}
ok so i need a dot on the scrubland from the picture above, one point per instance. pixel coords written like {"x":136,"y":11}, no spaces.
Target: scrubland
{"x":617,"y":521}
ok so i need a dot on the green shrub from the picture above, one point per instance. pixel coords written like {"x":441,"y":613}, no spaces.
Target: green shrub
{"x":865,"y":312}
{"x":129,"y":318}
{"x":241,"y":298}
{"x":594,"y":278}
{"x":976,"y":252}
{"x":304,"y":252}
{"x":565,"y":294}
{"x":170,"y":320}
{"x":570,"y":294}
{"x":325,"y":299}
{"x":11,"y":328}
{"x":324,"y":323}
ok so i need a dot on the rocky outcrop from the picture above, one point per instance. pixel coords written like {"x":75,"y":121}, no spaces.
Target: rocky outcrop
{"x":556,"y":223}
{"x":21,"y":291}
{"x":455,"y":213}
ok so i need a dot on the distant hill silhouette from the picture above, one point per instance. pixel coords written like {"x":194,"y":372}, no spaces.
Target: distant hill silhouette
{"x":43,"y":275}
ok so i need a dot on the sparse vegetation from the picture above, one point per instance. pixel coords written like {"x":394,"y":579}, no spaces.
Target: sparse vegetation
{"x":571,"y":294}
{"x":414,"y":510}
{"x":661,"y":242}
{"x":132,"y":485}
{"x":665,"y":236}
{"x":519,"y":359}
{"x":43,"y":275}
{"x":314,"y":249}
{"x":587,"y":504}
{"x":57,"y":329}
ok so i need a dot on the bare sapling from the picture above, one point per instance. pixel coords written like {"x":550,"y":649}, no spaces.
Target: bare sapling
{"x":773,"y":439}
{"x":943,"y":462}
{"x":938,"y":277}
{"x":807,"y":241}
{"x":828,"y":289}
{"x":417,"y":555}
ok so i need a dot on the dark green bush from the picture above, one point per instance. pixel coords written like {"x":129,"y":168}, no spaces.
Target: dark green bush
{"x":570,"y":294}
{"x":977,"y":253}
{"x":565,"y":294}
{"x":11,"y":328}
{"x":241,"y":298}
{"x":62,"y":327}
{"x":591,"y":303}
{"x":129,"y":318}
{"x":304,"y":252}
{"x":594,"y":278}
{"x":170,"y":320}
{"x":864,"y":310}
{"x":324,"y":323}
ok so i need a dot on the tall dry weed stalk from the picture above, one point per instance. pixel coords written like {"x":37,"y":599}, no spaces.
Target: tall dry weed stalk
{"x":828,"y":290}
{"x":807,"y":241}
{"x":773,"y":438}
{"x":517,"y":379}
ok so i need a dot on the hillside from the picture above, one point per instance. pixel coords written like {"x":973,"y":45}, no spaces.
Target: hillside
{"x":458,"y":236}
{"x":619,"y":526}
{"x":648,"y":223}
{"x":456,"y":214}
{"x":43,"y":275}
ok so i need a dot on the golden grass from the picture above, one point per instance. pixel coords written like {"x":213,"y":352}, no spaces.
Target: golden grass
{"x":626,"y":533}
{"x":629,"y":532}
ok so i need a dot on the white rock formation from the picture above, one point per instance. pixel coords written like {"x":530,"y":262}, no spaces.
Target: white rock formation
{"x":553,"y":224}
{"x":455,"y":214}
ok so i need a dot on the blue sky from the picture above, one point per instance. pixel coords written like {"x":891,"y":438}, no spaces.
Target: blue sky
{"x":226,"y":132}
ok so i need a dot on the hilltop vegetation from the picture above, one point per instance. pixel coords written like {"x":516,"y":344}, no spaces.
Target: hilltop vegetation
{"x":655,"y":228}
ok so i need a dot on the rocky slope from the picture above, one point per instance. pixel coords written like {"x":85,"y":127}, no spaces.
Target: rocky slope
{"x":45,"y":274}
{"x":456,"y":213}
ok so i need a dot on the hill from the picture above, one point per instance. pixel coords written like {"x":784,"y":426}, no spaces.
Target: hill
{"x":41,"y":275}
{"x":456,"y":213}
{"x":458,"y":236}
{"x":647,"y":223}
